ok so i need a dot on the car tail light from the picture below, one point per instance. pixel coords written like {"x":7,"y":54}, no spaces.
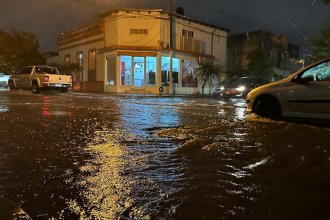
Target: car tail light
{"x":46,"y":79}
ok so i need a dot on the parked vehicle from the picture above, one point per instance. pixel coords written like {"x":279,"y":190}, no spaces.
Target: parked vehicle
{"x":304,"y":94}
{"x":240,"y":87}
{"x":4,"y":77}
{"x":39,"y":78}
{"x":217,"y":89}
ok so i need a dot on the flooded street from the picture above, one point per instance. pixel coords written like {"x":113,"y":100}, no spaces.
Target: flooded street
{"x":83,"y":156}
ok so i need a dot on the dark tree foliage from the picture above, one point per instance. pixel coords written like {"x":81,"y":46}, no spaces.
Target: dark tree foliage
{"x":260,"y":65}
{"x":207,"y":69}
{"x":320,"y":45}
{"x":327,"y":2}
{"x":73,"y":69}
{"x":18,"y":49}
{"x":69,"y":69}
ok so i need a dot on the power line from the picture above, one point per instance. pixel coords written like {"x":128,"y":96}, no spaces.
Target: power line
{"x":296,"y":28}
{"x":221,"y":13}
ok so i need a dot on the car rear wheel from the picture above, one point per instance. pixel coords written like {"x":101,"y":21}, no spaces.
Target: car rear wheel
{"x":35,"y":88}
{"x":267,"y":106}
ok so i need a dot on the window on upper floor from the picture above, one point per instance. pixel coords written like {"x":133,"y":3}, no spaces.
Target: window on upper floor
{"x":186,"y":33}
{"x":139,"y":31}
{"x":67,"y":59}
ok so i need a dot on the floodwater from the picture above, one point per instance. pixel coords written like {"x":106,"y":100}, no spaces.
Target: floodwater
{"x":97,"y":156}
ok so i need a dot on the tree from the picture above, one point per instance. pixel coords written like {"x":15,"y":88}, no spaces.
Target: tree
{"x":69,"y":69}
{"x":73,"y":69}
{"x":327,"y":2}
{"x":207,"y":69}
{"x":260,"y":65}
{"x":18,"y":49}
{"x":320,"y":45}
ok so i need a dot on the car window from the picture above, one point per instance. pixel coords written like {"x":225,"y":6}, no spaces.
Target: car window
{"x":248,"y":81}
{"x":320,"y":72}
{"x":25,"y":70}
{"x":227,"y":81}
{"x":241,"y":81}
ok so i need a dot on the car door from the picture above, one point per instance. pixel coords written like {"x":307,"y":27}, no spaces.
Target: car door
{"x":26,"y":77}
{"x":18,"y":76}
{"x":23,"y":77}
{"x":309,"y":93}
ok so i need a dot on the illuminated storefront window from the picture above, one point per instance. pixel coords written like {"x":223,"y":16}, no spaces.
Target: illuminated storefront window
{"x":189,"y":78}
{"x":151,"y":70}
{"x":125,"y":70}
{"x":166,"y":70}
{"x":139,"y":71}
{"x":175,"y":69}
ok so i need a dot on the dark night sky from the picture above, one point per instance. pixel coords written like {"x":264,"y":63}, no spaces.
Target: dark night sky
{"x":298,"y":19}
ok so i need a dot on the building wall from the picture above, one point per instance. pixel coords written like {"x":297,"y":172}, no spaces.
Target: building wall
{"x":130,"y":34}
{"x":134,"y":29}
{"x":84,"y":48}
{"x":118,"y":28}
{"x":213,"y":42}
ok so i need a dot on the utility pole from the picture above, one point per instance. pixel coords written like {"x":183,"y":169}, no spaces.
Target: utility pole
{"x":171,"y":88}
{"x":171,"y":25}
{"x":171,"y":5}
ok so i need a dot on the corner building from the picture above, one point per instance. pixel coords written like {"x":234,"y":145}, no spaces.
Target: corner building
{"x":141,"y":51}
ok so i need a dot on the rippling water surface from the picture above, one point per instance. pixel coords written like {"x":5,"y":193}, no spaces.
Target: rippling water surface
{"x":134,"y":157}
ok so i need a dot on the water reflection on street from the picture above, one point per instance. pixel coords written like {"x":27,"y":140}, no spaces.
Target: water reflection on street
{"x":140,"y":157}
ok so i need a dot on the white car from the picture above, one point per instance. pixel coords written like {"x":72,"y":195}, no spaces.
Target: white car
{"x":4,"y":77}
{"x":304,"y":94}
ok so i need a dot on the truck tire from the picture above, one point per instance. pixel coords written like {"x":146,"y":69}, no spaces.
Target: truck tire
{"x":267,"y":106}
{"x":35,"y":88}
{"x":64,"y":90}
{"x":11,"y":86}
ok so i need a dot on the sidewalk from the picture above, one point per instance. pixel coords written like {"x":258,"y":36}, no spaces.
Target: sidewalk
{"x":77,"y":93}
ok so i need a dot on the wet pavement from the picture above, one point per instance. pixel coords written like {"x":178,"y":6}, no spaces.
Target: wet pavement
{"x":98,"y":156}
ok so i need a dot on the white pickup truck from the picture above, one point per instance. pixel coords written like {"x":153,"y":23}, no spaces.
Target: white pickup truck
{"x":39,"y":78}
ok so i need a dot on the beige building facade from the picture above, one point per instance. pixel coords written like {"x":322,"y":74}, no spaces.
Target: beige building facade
{"x":141,"y":51}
